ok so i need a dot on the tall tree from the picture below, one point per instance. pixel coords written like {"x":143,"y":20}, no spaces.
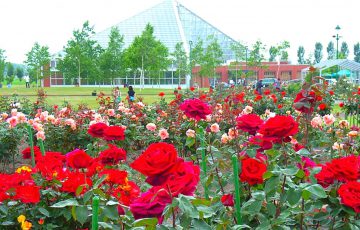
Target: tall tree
{"x":273,"y":52}
{"x":19,"y":72}
{"x":10,"y":73}
{"x":330,"y":50}
{"x":147,"y":54}
{"x":240,"y":52}
{"x":112,"y":59}
{"x":357,"y":52}
{"x":181,"y":61}
{"x":82,"y":56}
{"x":256,"y":57}
{"x":344,"y":51}
{"x":279,"y":50}
{"x":2,"y":64}
{"x":318,"y":52}
{"x":37,"y":57}
{"x":301,"y":55}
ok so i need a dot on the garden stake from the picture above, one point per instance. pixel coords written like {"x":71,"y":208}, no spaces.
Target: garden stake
{"x":31,"y":142}
{"x":237,"y":189}
{"x":95,"y":212}
{"x":41,"y":143}
{"x":203,"y":161}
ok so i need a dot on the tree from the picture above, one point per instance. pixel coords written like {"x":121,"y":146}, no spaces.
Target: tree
{"x":301,"y":54}
{"x":357,"y":52}
{"x":19,"y":72}
{"x":112,"y":59}
{"x":2,"y":65}
{"x":10,"y":73}
{"x":82,"y":56}
{"x":256,"y":56}
{"x":279,"y":50}
{"x":273,"y":51}
{"x":240,"y":52}
{"x":181,"y":61}
{"x":330,"y":50}
{"x":344,"y":51}
{"x":36,"y":59}
{"x":147,"y":54}
{"x":318,"y":52}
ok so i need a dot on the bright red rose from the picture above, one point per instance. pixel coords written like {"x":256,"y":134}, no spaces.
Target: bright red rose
{"x":331,"y":92}
{"x":322,"y":106}
{"x":112,"y":155}
{"x":161,"y":94}
{"x":227,"y":200}
{"x":195,"y":108}
{"x":192,"y":88}
{"x":350,"y":195}
{"x":279,"y":127}
{"x":26,"y":153}
{"x":158,"y":158}
{"x":298,"y":147}
{"x":97,"y":129}
{"x":74,"y":181}
{"x":114,"y":176}
{"x":249,"y":123}
{"x":50,"y":165}
{"x":78,"y":159}
{"x":114,"y":133}
{"x":341,"y":104}
{"x":345,"y":168}
{"x":27,"y":194}
{"x":304,"y":101}
{"x":260,"y":141}
{"x":325,"y":177}
{"x":252,"y":171}
{"x":126,"y":194}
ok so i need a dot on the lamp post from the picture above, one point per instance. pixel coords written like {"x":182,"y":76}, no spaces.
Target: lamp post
{"x":337,"y":40}
{"x":190,"y":61}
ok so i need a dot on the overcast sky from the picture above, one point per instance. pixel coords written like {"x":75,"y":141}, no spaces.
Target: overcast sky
{"x":301,"y":22}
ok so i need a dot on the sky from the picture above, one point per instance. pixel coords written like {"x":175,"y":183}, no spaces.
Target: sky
{"x":301,"y":22}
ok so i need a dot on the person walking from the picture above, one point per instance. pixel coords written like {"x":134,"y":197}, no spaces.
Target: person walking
{"x":277,"y":84}
{"x":27,"y":81}
{"x":131,"y":94}
{"x":259,"y":85}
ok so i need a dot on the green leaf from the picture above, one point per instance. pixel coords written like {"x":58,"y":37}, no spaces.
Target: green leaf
{"x":82,"y":214}
{"x":7,"y":223}
{"x":44,"y":211}
{"x":293,"y":196}
{"x":111,"y":212}
{"x":190,"y":141}
{"x":271,"y":184}
{"x":290,"y":171}
{"x":316,"y":190}
{"x":251,"y":153}
{"x":303,"y":152}
{"x":200,"y":224}
{"x":188,"y":208}
{"x":98,"y":182}
{"x":65,"y":203}
{"x":148,"y":222}
{"x":267,"y":175}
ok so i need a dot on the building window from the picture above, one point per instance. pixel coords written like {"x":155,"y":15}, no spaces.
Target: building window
{"x":269,"y":74}
{"x":285,"y":75}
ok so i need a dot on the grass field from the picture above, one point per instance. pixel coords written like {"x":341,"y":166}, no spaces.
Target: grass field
{"x":81,"y":95}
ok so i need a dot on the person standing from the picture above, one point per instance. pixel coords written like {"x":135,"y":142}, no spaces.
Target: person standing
{"x":278,"y":84}
{"x":117,"y":96}
{"x":27,"y":81}
{"x":259,"y":85}
{"x":131,"y":94}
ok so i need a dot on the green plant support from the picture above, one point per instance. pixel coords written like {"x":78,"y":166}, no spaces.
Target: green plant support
{"x":237,"y":189}
{"x":41,"y":144}
{"x":95,"y":213}
{"x":203,"y":161}
{"x":31,"y":143}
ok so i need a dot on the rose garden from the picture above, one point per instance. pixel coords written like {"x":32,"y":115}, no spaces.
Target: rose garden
{"x":209,"y":159}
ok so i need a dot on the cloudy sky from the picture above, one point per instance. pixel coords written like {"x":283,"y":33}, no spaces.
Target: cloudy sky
{"x":51,"y":22}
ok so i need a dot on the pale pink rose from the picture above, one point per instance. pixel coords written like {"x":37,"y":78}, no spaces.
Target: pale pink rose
{"x":353,"y":133}
{"x":158,"y":118}
{"x":232,"y":133}
{"x":21,"y":117}
{"x":208,"y":117}
{"x":343,"y":124}
{"x":151,"y":127}
{"x":44,"y":115}
{"x":12,"y":121}
{"x":337,"y":146}
{"x":190,"y":133}
{"x":38,"y":126}
{"x":118,"y":116}
{"x":98,"y":118}
{"x":70,"y":122}
{"x":316,"y":122}
{"x":163,"y":133}
{"x":124,"y":127}
{"x":329,"y":119}
{"x":215,"y":128}
{"x":288,"y":112}
{"x":13,"y":112}
{"x":111,"y":112}
{"x":50,"y":118}
{"x":293,"y":141}
{"x":140,"y":104}
{"x":218,"y":106}
{"x":220,"y":111}
{"x":224,"y":138}
{"x":40,"y":135}
{"x":4,"y":116}
{"x":247,"y":110}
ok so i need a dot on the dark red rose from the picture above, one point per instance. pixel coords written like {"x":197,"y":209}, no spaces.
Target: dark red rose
{"x":158,"y":158}
{"x":227,"y":200}
{"x":260,"y":141}
{"x":114,"y":133}
{"x":304,"y":101}
{"x":350,"y":195}
{"x":252,"y":171}
{"x":325,"y":177}
{"x":298,"y":147}
{"x":249,"y":123}
{"x":74,"y":180}
{"x":112,"y":155}
{"x":27,"y":194}
{"x":26,"y":153}
{"x":97,"y":129}
{"x":345,"y":168}
{"x":279,"y":127}
{"x":195,"y":108}
{"x":78,"y":159}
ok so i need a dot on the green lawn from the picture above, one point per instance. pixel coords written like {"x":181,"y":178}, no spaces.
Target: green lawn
{"x":82,"y":95}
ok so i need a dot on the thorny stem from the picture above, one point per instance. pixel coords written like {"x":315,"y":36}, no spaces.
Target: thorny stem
{"x":278,"y":208}
{"x":217,"y":173}
{"x":172,"y":208}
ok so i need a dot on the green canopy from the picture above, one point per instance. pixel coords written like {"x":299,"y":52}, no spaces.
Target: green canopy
{"x":344,"y":72}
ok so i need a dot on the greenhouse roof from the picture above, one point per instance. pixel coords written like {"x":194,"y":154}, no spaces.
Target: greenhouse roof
{"x":342,"y":63}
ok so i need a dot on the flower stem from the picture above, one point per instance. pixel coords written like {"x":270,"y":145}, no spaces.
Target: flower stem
{"x":31,"y":142}
{"x":237,"y":189}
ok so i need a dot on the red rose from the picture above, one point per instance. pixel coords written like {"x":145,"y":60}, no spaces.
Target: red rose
{"x":112,"y":155}
{"x":50,"y":164}
{"x":78,"y":159}
{"x":126,"y":194}
{"x":195,"y":108}
{"x":279,"y":127}
{"x":345,"y":168}
{"x":158,"y":158}
{"x":114,"y":176}
{"x":260,"y":141}
{"x":252,"y":171}
{"x":227,"y":200}
{"x":322,"y":106}
{"x":97,"y":129}
{"x":114,"y":133}
{"x":192,"y":88}
{"x":341,"y":104}
{"x":28,"y":194}
{"x":249,"y":123}
{"x":74,"y":181}
{"x":350,"y":195}
{"x":26,"y":153}
{"x":325,"y":177}
{"x":161,"y":94}
{"x":304,"y":101}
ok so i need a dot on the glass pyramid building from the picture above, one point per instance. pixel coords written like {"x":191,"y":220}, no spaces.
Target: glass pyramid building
{"x":172,"y":23}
